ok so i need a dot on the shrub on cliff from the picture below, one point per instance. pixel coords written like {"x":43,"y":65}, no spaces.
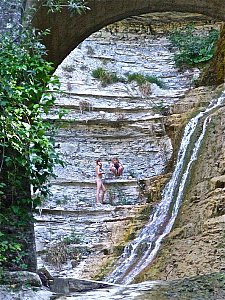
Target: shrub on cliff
{"x":193,"y":47}
{"x":27,"y":154}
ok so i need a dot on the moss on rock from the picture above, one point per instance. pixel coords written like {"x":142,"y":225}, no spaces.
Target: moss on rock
{"x":214,"y":74}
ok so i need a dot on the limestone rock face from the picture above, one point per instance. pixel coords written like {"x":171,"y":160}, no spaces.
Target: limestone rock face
{"x":215,"y":73}
{"x":118,"y":119}
{"x":81,"y":242}
{"x":141,"y":126}
{"x":196,"y":243}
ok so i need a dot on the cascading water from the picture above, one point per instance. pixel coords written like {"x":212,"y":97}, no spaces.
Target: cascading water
{"x":140,"y":253}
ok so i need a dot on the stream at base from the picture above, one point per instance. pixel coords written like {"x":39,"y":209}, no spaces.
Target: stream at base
{"x":206,"y":287}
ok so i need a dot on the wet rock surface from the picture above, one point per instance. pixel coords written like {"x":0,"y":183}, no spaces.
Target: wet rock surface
{"x":75,"y":237}
{"x":81,"y":242}
{"x":196,"y":244}
{"x":120,"y":119}
{"x":205,"y":287}
{"x":202,"y":287}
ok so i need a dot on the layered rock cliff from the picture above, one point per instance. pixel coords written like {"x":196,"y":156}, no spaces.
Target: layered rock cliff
{"x":195,"y":246}
{"x":141,"y":125}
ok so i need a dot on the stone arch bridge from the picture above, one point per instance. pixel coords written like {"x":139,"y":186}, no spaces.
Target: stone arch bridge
{"x":67,"y":30}
{"x":129,"y":127}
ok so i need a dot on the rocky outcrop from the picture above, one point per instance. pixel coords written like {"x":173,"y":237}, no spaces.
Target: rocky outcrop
{"x":106,"y":121}
{"x":82,"y":242}
{"x":23,"y":285}
{"x":115,"y":120}
{"x":214,"y":74}
{"x":196,"y":243}
{"x":209,"y":287}
{"x":142,"y":129}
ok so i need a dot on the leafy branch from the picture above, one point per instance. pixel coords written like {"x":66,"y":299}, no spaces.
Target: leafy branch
{"x":194,"y":48}
{"x":75,"y":6}
{"x":27,"y":151}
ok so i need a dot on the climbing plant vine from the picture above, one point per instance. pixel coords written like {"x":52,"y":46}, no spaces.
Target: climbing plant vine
{"x":27,"y":151}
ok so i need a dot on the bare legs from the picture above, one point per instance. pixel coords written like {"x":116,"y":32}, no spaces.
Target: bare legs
{"x":100,"y":188}
{"x":117,"y":172}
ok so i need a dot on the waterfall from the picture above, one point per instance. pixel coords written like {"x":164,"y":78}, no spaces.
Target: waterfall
{"x":142,"y":250}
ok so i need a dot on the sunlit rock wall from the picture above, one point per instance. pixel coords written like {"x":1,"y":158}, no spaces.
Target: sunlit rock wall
{"x":120,"y":119}
{"x":195,"y":246}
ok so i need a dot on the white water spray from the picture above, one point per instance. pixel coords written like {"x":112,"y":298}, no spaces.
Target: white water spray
{"x":140,"y":252}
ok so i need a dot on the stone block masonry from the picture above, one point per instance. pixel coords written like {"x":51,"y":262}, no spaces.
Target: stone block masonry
{"x":68,"y":31}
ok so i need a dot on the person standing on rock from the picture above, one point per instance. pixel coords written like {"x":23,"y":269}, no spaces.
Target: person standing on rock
{"x":99,"y":181}
{"x":116,"y":167}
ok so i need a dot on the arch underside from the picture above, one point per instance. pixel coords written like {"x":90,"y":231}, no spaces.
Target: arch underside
{"x":67,"y":30}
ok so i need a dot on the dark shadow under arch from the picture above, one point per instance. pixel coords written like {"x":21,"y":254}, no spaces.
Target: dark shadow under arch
{"x":67,"y":30}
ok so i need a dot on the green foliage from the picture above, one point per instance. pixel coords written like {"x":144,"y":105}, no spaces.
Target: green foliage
{"x":68,"y":68}
{"x":27,"y":153}
{"x":11,"y":253}
{"x":24,"y":98}
{"x":73,"y":238}
{"x":193,"y":47}
{"x":105,"y":76}
{"x":142,"y":79}
{"x":117,"y":196}
{"x":75,"y":6}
